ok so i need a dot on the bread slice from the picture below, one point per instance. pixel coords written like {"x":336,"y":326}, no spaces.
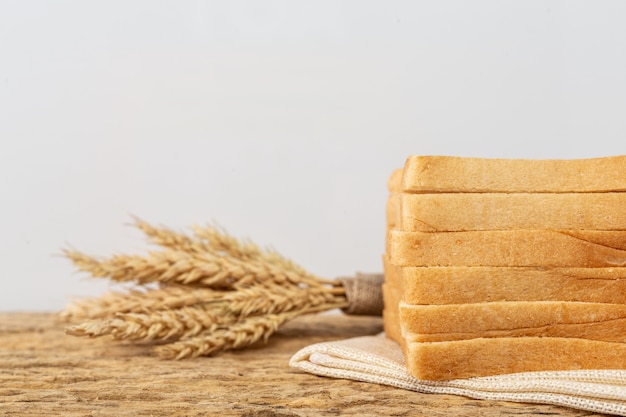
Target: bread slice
{"x":461,"y":284}
{"x":498,"y":211}
{"x":436,"y":323}
{"x":544,"y":248}
{"x":392,"y":295}
{"x":393,"y":211}
{"x":391,"y":318}
{"x":393,"y":202}
{"x":448,"y":174}
{"x":394,"y":183}
{"x":494,"y":356}
{"x":520,"y":265}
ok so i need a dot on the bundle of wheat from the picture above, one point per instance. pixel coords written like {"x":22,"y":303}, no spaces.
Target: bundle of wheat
{"x":208,"y":292}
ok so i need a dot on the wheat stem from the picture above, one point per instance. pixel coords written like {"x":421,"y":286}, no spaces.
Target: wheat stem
{"x":138,"y":301}
{"x":168,"y":238}
{"x":234,"y":336}
{"x":190,"y":320}
{"x":174,"y":266}
{"x":222,"y":242}
{"x":214,"y":240}
{"x":216,"y":293}
{"x":158,"y":325}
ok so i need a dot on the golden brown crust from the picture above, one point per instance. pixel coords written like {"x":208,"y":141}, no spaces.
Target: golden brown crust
{"x":497,"y":266}
{"x":460,"y":284}
{"x":392,"y":295}
{"x":497,"y":211}
{"x":544,"y":248}
{"x":435,"y":323}
{"x":483,"y":357}
{"x":444,"y":174}
{"x":391,"y":320}
{"x":393,"y":211}
{"x":394,"y":183}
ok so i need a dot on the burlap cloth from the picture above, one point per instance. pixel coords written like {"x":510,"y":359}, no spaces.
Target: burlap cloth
{"x":379,"y":360}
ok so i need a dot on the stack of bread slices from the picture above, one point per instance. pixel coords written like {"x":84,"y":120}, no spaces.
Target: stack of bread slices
{"x":496,"y":266}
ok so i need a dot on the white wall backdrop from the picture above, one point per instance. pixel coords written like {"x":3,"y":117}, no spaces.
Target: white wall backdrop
{"x":279,"y":120}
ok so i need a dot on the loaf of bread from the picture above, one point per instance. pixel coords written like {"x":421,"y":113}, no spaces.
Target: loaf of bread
{"x":436,"y":323}
{"x":392,"y":296}
{"x":393,"y":202}
{"x":452,"y":212}
{"x":543,"y":248}
{"x":462,"y":284}
{"x":393,"y":211}
{"x":503,"y":355}
{"x":394,"y":183}
{"x":391,"y":317}
{"x":392,"y":288}
{"x":449,"y":174}
{"x":497,"y":266}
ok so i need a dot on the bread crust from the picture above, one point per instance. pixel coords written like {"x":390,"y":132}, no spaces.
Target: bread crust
{"x":435,"y":323}
{"x":494,"y":356}
{"x":498,"y":266}
{"x":539,"y":248}
{"x":461,"y":284}
{"x":393,"y":211}
{"x":394,"y":183}
{"x":391,"y":319}
{"x":446,"y":174}
{"x":497,"y":211}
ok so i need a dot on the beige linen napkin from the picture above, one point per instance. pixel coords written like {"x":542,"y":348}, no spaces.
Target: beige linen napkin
{"x":379,"y":360}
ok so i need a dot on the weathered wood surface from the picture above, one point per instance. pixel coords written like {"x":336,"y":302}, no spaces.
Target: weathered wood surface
{"x":43,"y":372}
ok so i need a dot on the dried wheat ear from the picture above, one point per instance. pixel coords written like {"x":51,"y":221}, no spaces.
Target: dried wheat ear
{"x":201,"y":293}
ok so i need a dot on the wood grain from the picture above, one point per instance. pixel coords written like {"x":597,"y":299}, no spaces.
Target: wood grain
{"x":45,"y":372}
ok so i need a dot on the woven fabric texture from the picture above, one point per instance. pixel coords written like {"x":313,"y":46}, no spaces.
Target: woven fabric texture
{"x":379,"y":360}
{"x":364,"y":293}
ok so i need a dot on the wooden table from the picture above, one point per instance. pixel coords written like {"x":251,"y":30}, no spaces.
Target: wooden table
{"x":45,"y":372}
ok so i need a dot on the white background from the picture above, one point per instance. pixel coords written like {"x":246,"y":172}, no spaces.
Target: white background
{"x":279,"y":120}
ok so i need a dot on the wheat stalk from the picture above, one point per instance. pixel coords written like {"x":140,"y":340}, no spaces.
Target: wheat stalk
{"x":238,"y":335}
{"x":206,"y":239}
{"x":172,"y":267}
{"x":138,"y":301}
{"x":235,"y":336}
{"x":216,"y":308}
{"x":215,"y":239}
{"x":246,"y":301}
{"x":222,"y":242}
{"x":157,"y":325}
{"x":216,"y":293}
{"x":178,"y":267}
